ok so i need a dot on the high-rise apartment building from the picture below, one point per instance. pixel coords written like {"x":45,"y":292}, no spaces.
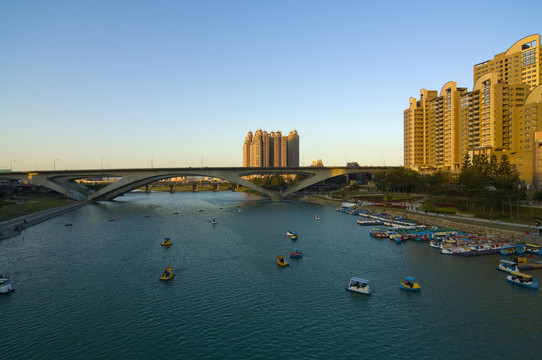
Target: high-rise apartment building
{"x":263,"y":149}
{"x":501,"y":115}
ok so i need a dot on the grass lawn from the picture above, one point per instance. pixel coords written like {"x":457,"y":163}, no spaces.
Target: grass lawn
{"x":21,"y":204}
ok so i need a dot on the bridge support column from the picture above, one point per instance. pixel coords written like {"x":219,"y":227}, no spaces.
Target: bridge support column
{"x":172,"y":188}
{"x":216,"y":187}
{"x":148,"y":189}
{"x":195,"y":187}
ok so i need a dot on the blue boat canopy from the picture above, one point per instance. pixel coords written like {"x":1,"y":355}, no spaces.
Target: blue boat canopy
{"x":359,"y":280}
{"x":410,"y":278}
{"x":508,"y":262}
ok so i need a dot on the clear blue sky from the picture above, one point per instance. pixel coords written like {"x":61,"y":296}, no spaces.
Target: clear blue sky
{"x":178,"y":83}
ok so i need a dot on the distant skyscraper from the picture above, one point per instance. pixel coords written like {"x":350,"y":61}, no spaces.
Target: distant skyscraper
{"x":263,"y":149}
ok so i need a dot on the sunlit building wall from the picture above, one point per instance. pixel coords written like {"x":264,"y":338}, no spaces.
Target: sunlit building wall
{"x":263,"y":149}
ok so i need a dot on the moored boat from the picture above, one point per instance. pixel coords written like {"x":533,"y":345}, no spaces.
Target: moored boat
{"x":532,"y":249}
{"x":522,"y":280}
{"x":508,"y":266}
{"x":317,"y":217}
{"x":296,"y":253}
{"x":281,"y":261}
{"x":166,"y":242}
{"x":167,"y":274}
{"x":5,"y":285}
{"x":359,"y":285}
{"x":512,"y":249}
{"x":409,"y":284}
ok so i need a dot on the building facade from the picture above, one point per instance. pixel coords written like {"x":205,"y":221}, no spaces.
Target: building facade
{"x":500,"y":115}
{"x":263,"y":149}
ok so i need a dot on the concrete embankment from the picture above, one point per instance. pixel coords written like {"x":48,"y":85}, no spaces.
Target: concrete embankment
{"x":14,"y":226}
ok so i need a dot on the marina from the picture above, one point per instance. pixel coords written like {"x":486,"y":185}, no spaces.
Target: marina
{"x":216,"y":302}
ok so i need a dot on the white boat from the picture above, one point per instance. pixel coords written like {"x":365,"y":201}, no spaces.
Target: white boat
{"x":522,"y":280}
{"x":213,"y":221}
{"x":435,"y":243}
{"x":508,"y":266}
{"x":359,"y":285}
{"x":239,"y":210}
{"x":289,"y":233}
{"x":5,"y":285}
{"x":317,"y":217}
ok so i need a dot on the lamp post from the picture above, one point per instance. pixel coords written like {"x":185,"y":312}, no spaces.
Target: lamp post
{"x":54,"y":164}
{"x":11,"y":165}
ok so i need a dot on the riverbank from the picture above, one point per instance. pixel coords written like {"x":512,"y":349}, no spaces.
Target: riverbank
{"x":15,"y":226}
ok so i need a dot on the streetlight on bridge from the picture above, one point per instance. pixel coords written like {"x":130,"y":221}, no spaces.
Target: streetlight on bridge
{"x":54,"y":164}
{"x":11,"y":165}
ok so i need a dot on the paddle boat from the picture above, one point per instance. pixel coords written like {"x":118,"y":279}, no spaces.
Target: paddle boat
{"x":359,"y":285}
{"x":508,"y":266}
{"x":522,"y":280}
{"x":167,"y":274}
{"x":532,"y":249}
{"x":296,"y":254}
{"x":5,"y":285}
{"x":213,"y":221}
{"x":317,"y":217}
{"x":294,"y":237}
{"x":281,"y":261}
{"x":512,"y":249}
{"x":379,"y":233}
{"x":409,"y":284}
{"x":166,"y":242}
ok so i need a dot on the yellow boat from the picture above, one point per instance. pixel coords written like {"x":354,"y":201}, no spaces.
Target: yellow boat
{"x":166,"y":242}
{"x":281,"y":261}
{"x":168,"y":274}
{"x":409,"y":284}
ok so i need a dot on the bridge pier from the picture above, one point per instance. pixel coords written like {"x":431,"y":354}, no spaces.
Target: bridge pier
{"x":172,"y":188}
{"x":195,"y":187}
{"x":147,"y":189}
{"x":216,"y":187}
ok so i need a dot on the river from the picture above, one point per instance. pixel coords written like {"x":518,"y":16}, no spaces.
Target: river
{"x":91,"y":290}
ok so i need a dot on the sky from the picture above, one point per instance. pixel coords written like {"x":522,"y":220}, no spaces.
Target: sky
{"x":96,"y":84}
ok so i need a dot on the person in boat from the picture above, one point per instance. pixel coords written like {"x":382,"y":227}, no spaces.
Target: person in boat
{"x":363,"y":285}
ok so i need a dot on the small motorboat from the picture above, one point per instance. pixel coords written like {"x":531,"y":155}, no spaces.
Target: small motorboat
{"x":296,"y":254}
{"x":289,"y":233}
{"x":317,"y":217}
{"x":508,"y":266}
{"x":111,"y":219}
{"x":213,"y":221}
{"x":67,"y":224}
{"x":359,"y":285}
{"x":408,"y":283}
{"x":166,"y":242}
{"x":294,"y":237}
{"x":168,"y":274}
{"x":146,"y":216}
{"x":532,"y":249}
{"x":522,"y":280}
{"x":5,"y":285}
{"x":239,"y":210}
{"x":281,"y":261}
{"x":176,"y":213}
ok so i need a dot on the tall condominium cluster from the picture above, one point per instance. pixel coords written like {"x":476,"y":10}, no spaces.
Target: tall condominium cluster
{"x":501,"y":115}
{"x":263,"y":149}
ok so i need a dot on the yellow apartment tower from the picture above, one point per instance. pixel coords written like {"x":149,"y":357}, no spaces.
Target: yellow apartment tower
{"x":263,"y":149}
{"x":500,"y":115}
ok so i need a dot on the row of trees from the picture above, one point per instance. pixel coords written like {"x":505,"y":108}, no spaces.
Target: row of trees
{"x":484,"y":183}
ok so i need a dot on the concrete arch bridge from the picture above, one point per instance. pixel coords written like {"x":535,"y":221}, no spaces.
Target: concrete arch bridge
{"x":64,"y":181}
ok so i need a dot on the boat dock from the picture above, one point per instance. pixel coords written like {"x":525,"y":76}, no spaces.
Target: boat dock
{"x":480,"y":253}
{"x":530,"y":265}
